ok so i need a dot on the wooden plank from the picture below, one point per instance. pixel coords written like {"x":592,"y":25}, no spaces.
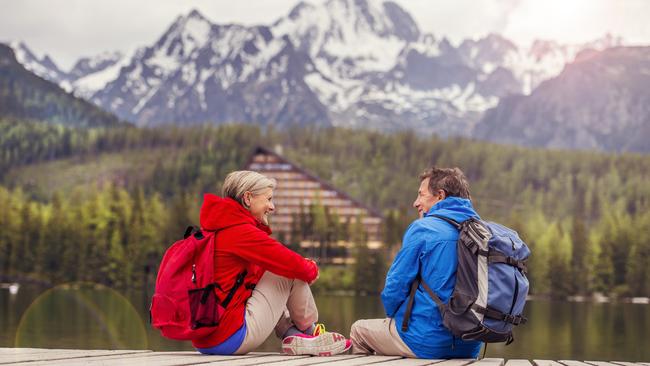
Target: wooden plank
{"x":600,"y":363}
{"x":21,"y":350}
{"x":72,"y":357}
{"x":546,"y":363}
{"x":489,"y":362}
{"x":53,"y":355}
{"x":313,"y":360}
{"x":157,"y":359}
{"x":44,"y":351}
{"x":10,"y":355}
{"x":83,"y":360}
{"x":365,"y":360}
{"x":518,"y":362}
{"x":259,"y":359}
{"x":456,"y":362}
{"x":573,"y":363}
{"x":411,"y":362}
{"x":625,"y":363}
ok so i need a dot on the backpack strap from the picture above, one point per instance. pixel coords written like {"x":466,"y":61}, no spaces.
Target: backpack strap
{"x":188,"y":232}
{"x":233,"y":289}
{"x":409,"y":306}
{"x":453,"y":222}
{"x":498,"y":257}
{"x":497,"y":315}
{"x":418,"y":281}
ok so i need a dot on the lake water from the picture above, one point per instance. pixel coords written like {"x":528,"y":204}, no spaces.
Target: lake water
{"x":101,"y":318}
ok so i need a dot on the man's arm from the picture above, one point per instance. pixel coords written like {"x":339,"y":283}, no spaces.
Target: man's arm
{"x":403,"y":271}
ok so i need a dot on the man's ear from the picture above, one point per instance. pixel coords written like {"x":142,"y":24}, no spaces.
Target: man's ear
{"x":442,"y":194}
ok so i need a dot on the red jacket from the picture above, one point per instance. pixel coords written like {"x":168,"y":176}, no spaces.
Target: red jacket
{"x":242,"y":242}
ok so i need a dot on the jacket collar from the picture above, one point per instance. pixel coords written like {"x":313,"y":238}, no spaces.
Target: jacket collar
{"x":455,"y":208}
{"x":219,"y":213}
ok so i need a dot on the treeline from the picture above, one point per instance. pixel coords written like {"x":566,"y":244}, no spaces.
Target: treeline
{"x":26,"y":142}
{"x":584,"y":214}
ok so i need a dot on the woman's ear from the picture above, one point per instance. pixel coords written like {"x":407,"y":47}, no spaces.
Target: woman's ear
{"x":247,"y":198}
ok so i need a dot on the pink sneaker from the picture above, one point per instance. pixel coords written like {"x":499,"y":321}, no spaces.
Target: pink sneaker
{"x":322,"y":343}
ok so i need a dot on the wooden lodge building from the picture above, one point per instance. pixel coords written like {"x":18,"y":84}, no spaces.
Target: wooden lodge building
{"x":297,"y":190}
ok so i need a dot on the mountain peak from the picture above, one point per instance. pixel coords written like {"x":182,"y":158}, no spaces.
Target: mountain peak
{"x":27,"y":96}
{"x":384,"y":19}
{"x":299,"y":9}
{"x":89,"y":65}
{"x":195,"y":14}
{"x":187,"y":33}
{"x":353,"y":35}
{"x":44,"y":67}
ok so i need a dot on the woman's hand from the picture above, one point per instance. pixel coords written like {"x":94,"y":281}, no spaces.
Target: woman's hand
{"x":317,"y":270}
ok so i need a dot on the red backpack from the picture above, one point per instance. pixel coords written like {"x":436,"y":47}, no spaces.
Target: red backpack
{"x":184,"y":305}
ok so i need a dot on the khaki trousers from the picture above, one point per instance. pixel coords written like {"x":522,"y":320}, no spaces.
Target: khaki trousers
{"x":378,"y":336}
{"x":277,"y":303}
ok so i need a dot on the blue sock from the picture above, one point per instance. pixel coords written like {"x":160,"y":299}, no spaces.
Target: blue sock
{"x":310,"y":330}
{"x":293,"y":331}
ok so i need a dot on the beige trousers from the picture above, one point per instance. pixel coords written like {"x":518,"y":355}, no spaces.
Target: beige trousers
{"x":378,"y":336}
{"x":277,"y":303}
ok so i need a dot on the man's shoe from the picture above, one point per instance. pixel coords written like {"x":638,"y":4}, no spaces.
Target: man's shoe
{"x":321,"y":343}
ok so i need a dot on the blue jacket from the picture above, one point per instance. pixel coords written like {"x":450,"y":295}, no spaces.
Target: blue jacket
{"x":428,"y":247}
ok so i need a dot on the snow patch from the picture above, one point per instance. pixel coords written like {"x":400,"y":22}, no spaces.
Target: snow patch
{"x":90,"y":84}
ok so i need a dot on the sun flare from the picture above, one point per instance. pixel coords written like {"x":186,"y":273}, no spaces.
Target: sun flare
{"x":561,"y":20}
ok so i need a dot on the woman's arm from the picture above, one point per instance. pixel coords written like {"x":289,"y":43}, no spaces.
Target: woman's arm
{"x":257,"y":247}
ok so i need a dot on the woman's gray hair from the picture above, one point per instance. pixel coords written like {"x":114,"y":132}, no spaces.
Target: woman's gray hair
{"x":238,"y":182}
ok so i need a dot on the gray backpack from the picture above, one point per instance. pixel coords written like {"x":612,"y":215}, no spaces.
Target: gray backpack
{"x":491,"y":285}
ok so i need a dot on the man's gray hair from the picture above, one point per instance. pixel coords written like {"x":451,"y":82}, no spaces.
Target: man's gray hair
{"x":238,"y":182}
{"x":450,"y":180}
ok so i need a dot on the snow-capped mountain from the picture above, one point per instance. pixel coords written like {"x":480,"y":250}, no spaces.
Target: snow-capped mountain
{"x":199,"y":72}
{"x":601,"y":101}
{"x":348,"y":38}
{"x":86,"y":77}
{"x":531,"y":66}
{"x":358,"y":63}
{"x":26,"y":96}
{"x":90,"y":74}
{"x":43,"y":67}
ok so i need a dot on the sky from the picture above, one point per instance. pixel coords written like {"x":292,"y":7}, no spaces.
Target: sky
{"x":69,"y":29}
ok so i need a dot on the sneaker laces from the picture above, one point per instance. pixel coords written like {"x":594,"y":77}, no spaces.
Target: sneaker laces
{"x":319,"y":329}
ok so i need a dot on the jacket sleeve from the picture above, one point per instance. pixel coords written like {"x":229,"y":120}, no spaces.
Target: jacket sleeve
{"x":403,"y":271}
{"x":257,"y":247}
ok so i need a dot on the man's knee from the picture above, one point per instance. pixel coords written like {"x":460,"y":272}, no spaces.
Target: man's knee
{"x":354,"y":328}
{"x":357,"y":339}
{"x":357,"y":330}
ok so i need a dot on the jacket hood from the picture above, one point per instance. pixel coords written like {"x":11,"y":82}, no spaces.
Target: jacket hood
{"x":218,"y":213}
{"x":455,"y":208}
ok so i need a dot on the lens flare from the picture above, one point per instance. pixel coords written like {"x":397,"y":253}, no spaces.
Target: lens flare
{"x":82,"y":316}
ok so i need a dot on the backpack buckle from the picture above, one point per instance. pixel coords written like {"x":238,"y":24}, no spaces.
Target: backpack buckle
{"x":514,"y":319}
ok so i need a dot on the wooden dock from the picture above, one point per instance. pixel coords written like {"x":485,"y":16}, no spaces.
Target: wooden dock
{"x":39,"y":356}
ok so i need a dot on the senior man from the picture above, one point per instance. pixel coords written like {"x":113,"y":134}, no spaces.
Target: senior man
{"x":428,"y":249}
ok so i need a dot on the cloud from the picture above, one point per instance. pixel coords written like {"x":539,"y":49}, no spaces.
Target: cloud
{"x":461,"y":19}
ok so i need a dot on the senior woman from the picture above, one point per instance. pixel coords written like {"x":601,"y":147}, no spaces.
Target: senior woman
{"x":276,"y":293}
